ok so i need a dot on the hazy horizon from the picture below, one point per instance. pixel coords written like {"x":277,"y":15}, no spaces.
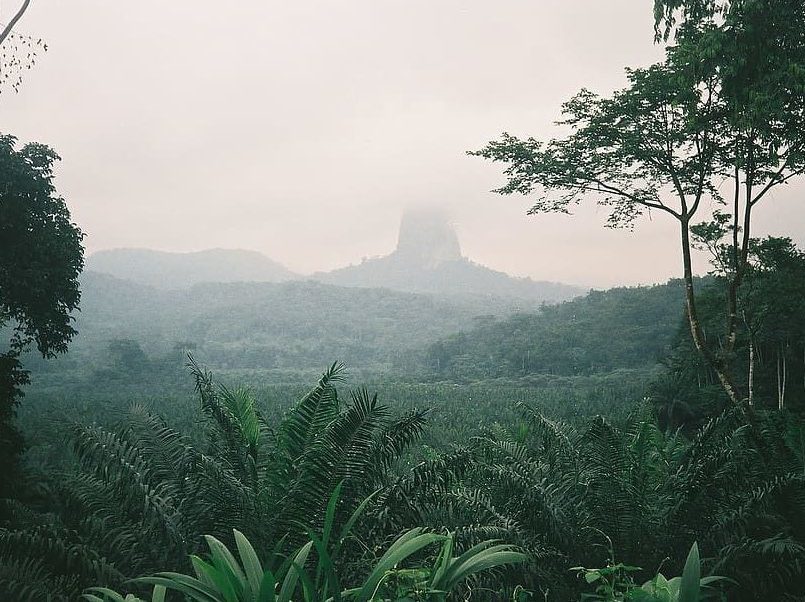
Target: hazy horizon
{"x":303,"y":130}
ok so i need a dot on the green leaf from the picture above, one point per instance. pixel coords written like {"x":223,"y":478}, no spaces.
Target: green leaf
{"x":214,"y":577}
{"x":203,"y":570}
{"x":355,"y":516}
{"x":227,"y":565}
{"x":691,"y":574}
{"x":193,"y":588}
{"x":251,"y":563}
{"x":268,"y":587}
{"x":325,"y":566}
{"x":292,"y":577}
{"x":480,"y":557}
{"x":405,"y":546}
{"x":108,"y":593}
{"x":329,"y":517}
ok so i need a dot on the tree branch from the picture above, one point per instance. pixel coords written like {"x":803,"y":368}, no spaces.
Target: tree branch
{"x":776,"y":180}
{"x":614,"y":190}
{"x":5,"y":33}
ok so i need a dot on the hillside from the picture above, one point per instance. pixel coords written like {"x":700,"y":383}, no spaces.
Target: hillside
{"x":602,"y":331}
{"x":305,"y":325}
{"x":299,"y":325}
{"x":428,"y":259}
{"x":167,"y":270}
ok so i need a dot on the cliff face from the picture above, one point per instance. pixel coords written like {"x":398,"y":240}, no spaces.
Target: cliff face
{"x":427,"y":240}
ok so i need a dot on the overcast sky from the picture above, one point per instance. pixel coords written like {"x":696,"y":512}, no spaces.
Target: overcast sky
{"x":302,"y":129}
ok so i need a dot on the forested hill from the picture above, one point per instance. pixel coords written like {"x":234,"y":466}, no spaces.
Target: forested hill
{"x":125,"y":327}
{"x":602,"y":331}
{"x":167,"y":270}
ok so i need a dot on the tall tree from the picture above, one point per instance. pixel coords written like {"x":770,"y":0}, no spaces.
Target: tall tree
{"x":772,"y":302}
{"x":41,"y":257}
{"x":726,"y":105}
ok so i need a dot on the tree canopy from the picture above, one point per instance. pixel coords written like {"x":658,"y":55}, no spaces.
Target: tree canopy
{"x":704,"y":135}
{"x":41,"y":254}
{"x":40,"y":259}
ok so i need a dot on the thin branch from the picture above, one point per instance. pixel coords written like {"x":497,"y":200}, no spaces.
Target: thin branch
{"x":5,"y":33}
{"x":775,"y":180}
{"x":651,"y":205}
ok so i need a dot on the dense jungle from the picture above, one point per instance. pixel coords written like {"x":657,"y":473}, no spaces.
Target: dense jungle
{"x":213,"y":426}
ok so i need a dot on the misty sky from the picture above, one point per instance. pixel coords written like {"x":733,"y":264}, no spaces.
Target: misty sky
{"x":302,"y":129}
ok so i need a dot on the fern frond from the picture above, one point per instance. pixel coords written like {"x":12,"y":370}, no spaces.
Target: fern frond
{"x":316,"y":410}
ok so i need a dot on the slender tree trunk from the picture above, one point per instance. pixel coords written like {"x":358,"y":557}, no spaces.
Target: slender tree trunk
{"x":781,"y":377}
{"x":735,"y":281}
{"x":785,"y":380}
{"x":751,"y":372}
{"x":779,"y":386}
{"x":695,"y":326}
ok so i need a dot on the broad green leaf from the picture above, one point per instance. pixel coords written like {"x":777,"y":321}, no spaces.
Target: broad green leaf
{"x":354,"y":517}
{"x":216,"y":578}
{"x":268,"y":587}
{"x":406,"y":545}
{"x":193,"y":588}
{"x":691,"y":574}
{"x":292,"y":577}
{"x":108,"y":593}
{"x":325,"y":567}
{"x":226,"y":564}
{"x":251,"y":563}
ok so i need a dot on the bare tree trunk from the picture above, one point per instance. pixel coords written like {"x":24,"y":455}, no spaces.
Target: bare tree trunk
{"x":751,"y":372}
{"x":778,"y":378}
{"x":740,"y":249}
{"x":785,"y":380}
{"x":695,"y":326}
{"x":5,"y":33}
{"x":781,"y":377}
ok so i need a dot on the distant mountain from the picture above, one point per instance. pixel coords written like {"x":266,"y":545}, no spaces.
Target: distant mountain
{"x":428,"y":259}
{"x":167,"y":270}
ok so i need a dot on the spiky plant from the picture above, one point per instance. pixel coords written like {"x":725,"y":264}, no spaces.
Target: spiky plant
{"x":649,"y":494}
{"x":311,"y":572}
{"x":144,"y":496}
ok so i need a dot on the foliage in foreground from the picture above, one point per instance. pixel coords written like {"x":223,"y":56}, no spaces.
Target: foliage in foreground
{"x":614,"y":583}
{"x":144,"y":497}
{"x":564,"y":493}
{"x":312,"y":573}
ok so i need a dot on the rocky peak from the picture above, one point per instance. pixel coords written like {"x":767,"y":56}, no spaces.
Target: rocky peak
{"x":427,"y":239}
